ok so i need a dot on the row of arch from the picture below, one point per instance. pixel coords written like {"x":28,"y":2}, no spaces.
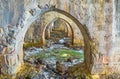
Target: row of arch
{"x":66,"y":25}
{"x":48,"y":18}
{"x":75,"y":26}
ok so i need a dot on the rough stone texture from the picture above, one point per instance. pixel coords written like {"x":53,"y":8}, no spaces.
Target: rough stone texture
{"x":10,"y":11}
{"x":115,"y":47}
{"x":17,"y":44}
{"x":100,"y":16}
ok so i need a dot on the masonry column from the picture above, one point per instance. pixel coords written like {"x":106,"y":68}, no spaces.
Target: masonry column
{"x":10,"y":62}
{"x":48,"y":32}
{"x":77,"y":37}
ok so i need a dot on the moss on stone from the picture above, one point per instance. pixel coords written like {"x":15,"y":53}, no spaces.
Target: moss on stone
{"x":59,"y":54}
{"x":27,"y":45}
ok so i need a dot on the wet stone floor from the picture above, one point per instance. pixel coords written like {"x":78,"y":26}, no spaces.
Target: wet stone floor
{"x":52,"y":62}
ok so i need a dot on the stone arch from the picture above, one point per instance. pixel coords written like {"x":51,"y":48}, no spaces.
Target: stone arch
{"x":87,"y":65}
{"x":17,"y":45}
{"x":48,"y":18}
{"x":67,"y":26}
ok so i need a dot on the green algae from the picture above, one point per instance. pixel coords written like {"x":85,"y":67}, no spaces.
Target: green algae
{"x":59,"y":54}
{"x":27,"y":45}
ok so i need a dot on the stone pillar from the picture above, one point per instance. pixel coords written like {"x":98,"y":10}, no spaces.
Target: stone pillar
{"x":77,"y":36}
{"x":12,"y":56}
{"x":69,"y":30}
{"x":10,"y":63}
{"x":42,"y":39}
{"x":48,"y":32}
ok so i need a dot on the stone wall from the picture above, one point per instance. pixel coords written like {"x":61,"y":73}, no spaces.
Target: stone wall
{"x":115,"y":53}
{"x":100,"y":16}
